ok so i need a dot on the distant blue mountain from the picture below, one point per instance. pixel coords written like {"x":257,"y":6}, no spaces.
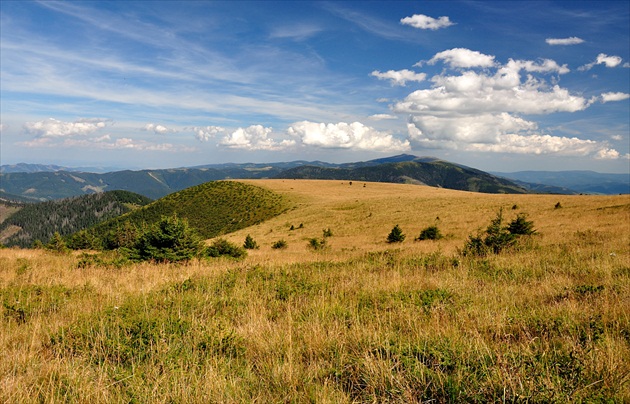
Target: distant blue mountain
{"x":589,"y":182}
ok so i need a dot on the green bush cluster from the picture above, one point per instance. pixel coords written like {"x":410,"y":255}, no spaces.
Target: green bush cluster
{"x":498,"y":236}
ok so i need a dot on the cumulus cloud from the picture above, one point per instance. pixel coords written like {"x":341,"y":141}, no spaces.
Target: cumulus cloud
{"x":422,"y":21}
{"x":602,"y":59}
{"x":543,"y":66}
{"x":399,"y":77}
{"x":564,"y":41}
{"x":157,"y":129}
{"x":254,"y":137}
{"x":205,"y":133}
{"x":54,"y":128}
{"x":483,"y":110}
{"x":608,"y":97}
{"x":346,"y":136}
{"x":461,"y":58}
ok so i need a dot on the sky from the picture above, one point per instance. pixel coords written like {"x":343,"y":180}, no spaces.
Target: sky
{"x":498,"y":86}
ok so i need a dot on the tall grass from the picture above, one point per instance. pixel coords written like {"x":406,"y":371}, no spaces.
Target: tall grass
{"x":361,"y":321}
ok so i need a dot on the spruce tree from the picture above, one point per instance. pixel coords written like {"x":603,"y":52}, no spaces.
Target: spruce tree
{"x":396,"y":235}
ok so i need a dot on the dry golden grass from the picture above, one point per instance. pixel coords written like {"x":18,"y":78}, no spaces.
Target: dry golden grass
{"x":360,"y":321}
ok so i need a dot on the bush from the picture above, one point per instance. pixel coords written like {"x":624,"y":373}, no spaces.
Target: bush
{"x":250,"y":243}
{"x":57,"y":244}
{"x":430,"y":233}
{"x":279,"y":245}
{"x":169,"y":240}
{"x":396,"y":235}
{"x":498,"y":237}
{"x":327,"y":232}
{"x":317,"y":244}
{"x":221,"y":247}
{"x":521,"y":226}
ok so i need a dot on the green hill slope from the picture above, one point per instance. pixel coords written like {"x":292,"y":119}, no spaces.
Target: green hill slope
{"x":434,"y":173}
{"x":212,"y":208}
{"x":39,"y":221}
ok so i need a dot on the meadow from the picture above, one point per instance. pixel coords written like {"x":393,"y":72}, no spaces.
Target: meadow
{"x":359,"y":320}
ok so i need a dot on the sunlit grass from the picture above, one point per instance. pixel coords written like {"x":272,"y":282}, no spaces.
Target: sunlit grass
{"x":358,"y":321}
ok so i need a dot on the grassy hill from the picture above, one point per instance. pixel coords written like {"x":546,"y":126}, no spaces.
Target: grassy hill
{"x":39,"y":221}
{"x":434,"y":173}
{"x":361,"y":320}
{"x":212,"y":209}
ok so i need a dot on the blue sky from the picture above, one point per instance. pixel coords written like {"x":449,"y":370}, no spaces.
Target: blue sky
{"x":499,"y":86}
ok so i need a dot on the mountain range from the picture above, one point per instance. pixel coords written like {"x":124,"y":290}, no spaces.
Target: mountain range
{"x":36,"y":183}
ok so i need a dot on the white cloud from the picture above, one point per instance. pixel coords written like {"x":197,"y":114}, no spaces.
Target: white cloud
{"x":626,"y":65}
{"x":422,"y":21}
{"x":616,"y":137}
{"x":608,"y":97}
{"x":564,"y":41}
{"x":343,"y":135}
{"x":3,"y":127}
{"x":205,"y":133}
{"x":543,"y":66}
{"x":462,"y":57}
{"x":254,"y":137}
{"x":602,"y":59}
{"x":157,"y":129}
{"x":472,"y":93}
{"x":380,"y":117}
{"x":399,"y":77}
{"x":482,"y":111}
{"x":54,"y":128}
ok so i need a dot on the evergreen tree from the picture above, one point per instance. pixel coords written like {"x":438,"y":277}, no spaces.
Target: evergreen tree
{"x":250,"y":243}
{"x":169,"y":240}
{"x":396,"y":235}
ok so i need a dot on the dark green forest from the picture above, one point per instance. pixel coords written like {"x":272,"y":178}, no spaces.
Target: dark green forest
{"x":40,"y":221}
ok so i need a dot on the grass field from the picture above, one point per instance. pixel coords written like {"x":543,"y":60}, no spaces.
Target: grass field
{"x":360,"y":320}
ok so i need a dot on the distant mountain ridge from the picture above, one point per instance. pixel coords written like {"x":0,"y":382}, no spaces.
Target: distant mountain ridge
{"x":402,"y":169}
{"x":36,"y":168}
{"x":579,"y":181}
{"x":49,"y":185}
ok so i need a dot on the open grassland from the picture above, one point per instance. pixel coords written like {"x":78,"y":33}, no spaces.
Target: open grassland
{"x":358,"y":321}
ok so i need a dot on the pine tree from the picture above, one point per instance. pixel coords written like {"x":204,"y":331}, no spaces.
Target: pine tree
{"x":250,"y":243}
{"x":396,"y":235}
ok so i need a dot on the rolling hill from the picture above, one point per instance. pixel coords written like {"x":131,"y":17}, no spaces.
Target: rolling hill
{"x":39,"y":221}
{"x":212,"y":209}
{"x":433,"y":173}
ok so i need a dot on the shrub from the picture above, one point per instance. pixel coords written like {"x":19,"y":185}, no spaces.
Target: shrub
{"x":430,"y":233}
{"x":327,"y":232}
{"x":221,"y":247}
{"x":396,"y":235}
{"x":57,"y":244}
{"x":558,"y":205}
{"x":521,"y":226}
{"x":169,"y":240}
{"x":317,"y":244}
{"x":279,"y":245}
{"x":498,"y":237}
{"x":250,"y":243}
